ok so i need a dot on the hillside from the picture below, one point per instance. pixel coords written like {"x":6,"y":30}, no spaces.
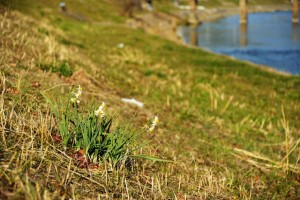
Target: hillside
{"x":228,"y":129}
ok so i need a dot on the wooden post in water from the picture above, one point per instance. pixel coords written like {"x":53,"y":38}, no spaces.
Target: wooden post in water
{"x":243,"y":12}
{"x":193,"y":4}
{"x":295,"y":9}
{"x":193,"y":16}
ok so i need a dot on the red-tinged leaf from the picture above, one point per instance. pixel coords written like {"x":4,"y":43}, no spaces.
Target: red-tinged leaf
{"x":56,"y":138}
{"x":81,"y":152}
{"x":13,"y":91}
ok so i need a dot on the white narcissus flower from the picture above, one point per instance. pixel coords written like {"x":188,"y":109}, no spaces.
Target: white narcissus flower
{"x":75,"y":99}
{"x":79,"y":92}
{"x":153,"y":125}
{"x":100,"y":110}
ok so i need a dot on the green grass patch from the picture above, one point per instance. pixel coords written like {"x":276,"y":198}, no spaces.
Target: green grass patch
{"x":62,"y":68}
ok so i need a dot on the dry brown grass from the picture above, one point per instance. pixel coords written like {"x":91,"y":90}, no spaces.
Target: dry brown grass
{"x":34,"y":166}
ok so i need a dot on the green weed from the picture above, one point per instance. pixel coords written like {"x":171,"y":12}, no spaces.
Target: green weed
{"x":91,"y":131}
{"x":62,"y":68}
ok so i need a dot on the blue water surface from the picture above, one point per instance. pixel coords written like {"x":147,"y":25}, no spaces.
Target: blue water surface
{"x":268,"y":39}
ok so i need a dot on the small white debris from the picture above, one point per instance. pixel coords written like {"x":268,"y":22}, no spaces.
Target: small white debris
{"x":182,"y":7}
{"x":133,"y":101}
{"x":121,"y":45}
{"x":62,"y":6}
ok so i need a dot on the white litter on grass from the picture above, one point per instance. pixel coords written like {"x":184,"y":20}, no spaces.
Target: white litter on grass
{"x":133,"y":101}
{"x":62,"y":4}
{"x":181,"y":7}
{"x":121,"y":45}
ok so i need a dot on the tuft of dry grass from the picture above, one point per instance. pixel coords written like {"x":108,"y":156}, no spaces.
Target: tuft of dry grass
{"x":266,"y":164}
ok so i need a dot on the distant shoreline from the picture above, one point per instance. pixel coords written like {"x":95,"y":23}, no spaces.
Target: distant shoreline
{"x":164,"y":24}
{"x":211,"y":14}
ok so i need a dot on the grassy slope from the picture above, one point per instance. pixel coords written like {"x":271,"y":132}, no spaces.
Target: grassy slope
{"x":208,"y":105}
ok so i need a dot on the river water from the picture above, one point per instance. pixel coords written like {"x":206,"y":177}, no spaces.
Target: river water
{"x":268,"y":39}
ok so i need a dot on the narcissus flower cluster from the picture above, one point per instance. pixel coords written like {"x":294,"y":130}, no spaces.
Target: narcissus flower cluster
{"x":77,"y":94}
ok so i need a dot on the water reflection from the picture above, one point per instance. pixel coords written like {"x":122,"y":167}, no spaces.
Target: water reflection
{"x":194,"y":35}
{"x":295,"y":33}
{"x":243,"y":34}
{"x":267,"y":39}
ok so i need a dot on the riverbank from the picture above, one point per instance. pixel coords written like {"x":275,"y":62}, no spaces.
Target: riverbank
{"x":165,"y":24}
{"x":212,"y":14}
{"x":230,"y":130}
{"x":251,"y":41}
